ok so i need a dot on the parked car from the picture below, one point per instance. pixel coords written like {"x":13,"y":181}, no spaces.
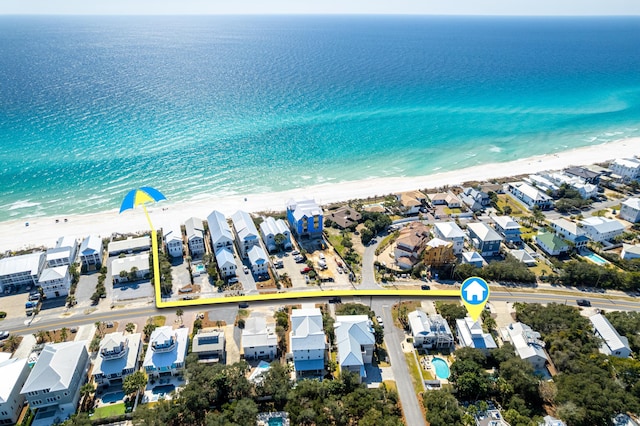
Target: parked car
{"x":295,"y":252}
{"x":34,"y":296}
{"x":305,"y":270}
{"x":335,"y":300}
{"x":583,"y":302}
{"x":4,"y":335}
{"x":245,"y":269}
{"x":243,"y":305}
{"x":380,"y":322}
{"x":425,"y":287}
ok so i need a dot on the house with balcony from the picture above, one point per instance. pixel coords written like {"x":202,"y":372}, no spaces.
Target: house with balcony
{"x":117,"y":358}
{"x":344,"y":217}
{"x":14,"y":373}
{"x":473,"y":258}
{"x":430,"y":331}
{"x":630,"y":210}
{"x":410,"y":245}
{"x":219,"y":231}
{"x":166,"y":352}
{"x":91,"y":253}
{"x":305,"y":218}
{"x":508,"y":228}
{"x":600,"y":229}
{"x":356,"y":342}
{"x":450,"y":231}
{"x":613,"y":344}
{"x":130,"y":269}
{"x":551,"y":244}
{"x":438,"y":252}
{"x":64,"y":253}
{"x":470,"y":335}
{"x":570,"y":231}
{"x":226,"y":262}
{"x":271,"y":227}
{"x":411,"y":202}
{"x":55,"y":282}
{"x":246,"y":232}
{"x":527,"y":344}
{"x":259,"y":341}
{"x":129,"y":245}
{"x":53,"y":386}
{"x":308,"y":342}
{"x":210,"y":345}
{"x":173,"y":242}
{"x":476,"y":200}
{"x":529,"y":195}
{"x":588,"y":176}
{"x":484,"y":238}
{"x":19,"y":272}
{"x":627,"y":169}
{"x":194,"y":228}
{"x":259,"y":261}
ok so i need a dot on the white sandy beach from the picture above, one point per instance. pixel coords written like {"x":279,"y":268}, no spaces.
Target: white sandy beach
{"x":43,"y":231}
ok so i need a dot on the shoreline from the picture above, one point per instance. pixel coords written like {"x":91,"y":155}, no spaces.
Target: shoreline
{"x":43,"y":231}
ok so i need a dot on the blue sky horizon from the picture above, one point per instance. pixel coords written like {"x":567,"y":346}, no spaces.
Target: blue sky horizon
{"x":326,"y":7}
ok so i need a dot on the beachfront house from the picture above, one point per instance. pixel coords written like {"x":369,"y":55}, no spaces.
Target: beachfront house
{"x":588,"y":176}
{"x":258,"y":340}
{"x":508,"y":228}
{"x":129,"y":245}
{"x":411,"y":202}
{"x":259,"y":261}
{"x":117,"y":358}
{"x":219,"y":231}
{"x":484,"y":238}
{"x":305,"y":218}
{"x":474,"y":199}
{"x":529,"y":195}
{"x":166,"y":352}
{"x":14,"y":373}
{"x":527,"y":344}
{"x":355,"y":341}
{"x":270,"y":228}
{"x":55,"y":282}
{"x":551,"y":244}
{"x":344,"y":217}
{"x":226,"y":262}
{"x":630,"y":251}
{"x":470,"y":335}
{"x":630,"y":210}
{"x":450,"y":231}
{"x":308,"y":342}
{"x":627,"y":169}
{"x":53,"y":386}
{"x":613,"y":344}
{"x":554,"y":181}
{"x":452,"y":200}
{"x":64,"y":253}
{"x":410,"y":244}
{"x":194,"y":228}
{"x":570,"y":231}
{"x":601,"y":229}
{"x":210,"y":345}
{"x":430,"y":331}
{"x":91,"y":253}
{"x":130,"y":269}
{"x":173,"y":242}
{"x":19,"y":272}
{"x":473,"y":258}
{"x":246,"y":232}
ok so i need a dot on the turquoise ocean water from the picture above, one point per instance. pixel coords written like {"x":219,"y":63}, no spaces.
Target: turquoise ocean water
{"x":91,"y":107}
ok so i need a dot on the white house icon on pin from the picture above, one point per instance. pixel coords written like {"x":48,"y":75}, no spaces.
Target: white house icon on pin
{"x":474,"y":292}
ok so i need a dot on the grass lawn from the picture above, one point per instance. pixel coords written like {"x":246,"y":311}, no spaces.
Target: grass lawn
{"x":411,"y":305}
{"x":414,"y":370}
{"x":450,"y":211}
{"x":391,"y":385}
{"x":517,"y":209}
{"x":386,"y":241}
{"x":540,"y":268}
{"x":336,"y":241}
{"x":109,"y":411}
{"x":158,"y":320}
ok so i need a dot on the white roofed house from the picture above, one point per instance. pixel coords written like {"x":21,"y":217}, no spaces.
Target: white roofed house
{"x":508,"y":228}
{"x":612,"y":343}
{"x":450,"y":231}
{"x":601,"y":229}
{"x":476,"y":200}
{"x":473,"y":258}
{"x":117,"y":358}
{"x":430,"y":331}
{"x":194,"y":228}
{"x":356,"y":343}
{"x":53,"y":386}
{"x":627,"y":169}
{"x":91,"y":253}
{"x":210,"y":345}
{"x":21,"y":271}
{"x":527,"y":344}
{"x":484,"y":238}
{"x":570,"y":231}
{"x":64,"y":253}
{"x":55,"y":282}
{"x":166,"y":352}
{"x":173,"y":242}
{"x":271,"y":227}
{"x":308,"y":342}
{"x":130,"y":269}
{"x":470,"y":335}
{"x":14,"y":373}
{"x":246,"y":233}
{"x":259,"y":261}
{"x":219,"y":231}
{"x":258,"y":340}
{"x":630,"y":251}
{"x":530,"y":195}
{"x":226,"y":262}
{"x":630,"y":210}
{"x":129,"y":245}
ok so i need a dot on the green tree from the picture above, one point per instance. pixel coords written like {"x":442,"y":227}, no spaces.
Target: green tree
{"x":130,"y":327}
{"x":134,"y":383}
{"x":85,"y":394}
{"x":279,"y":240}
{"x":179,"y":314}
{"x":442,"y":409}
{"x":245,"y":411}
{"x":148,"y":329}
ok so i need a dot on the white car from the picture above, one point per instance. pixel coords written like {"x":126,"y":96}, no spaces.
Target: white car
{"x":245,"y":269}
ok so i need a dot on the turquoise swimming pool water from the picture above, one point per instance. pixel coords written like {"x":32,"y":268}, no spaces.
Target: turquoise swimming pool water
{"x":596,"y":259}
{"x":200,"y":268}
{"x":276,"y":421}
{"x":442,"y":368}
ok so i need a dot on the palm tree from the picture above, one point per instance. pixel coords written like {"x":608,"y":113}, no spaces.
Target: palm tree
{"x":279,"y":239}
{"x":85,"y":393}
{"x":179,"y":314}
{"x":12,"y":343}
{"x":64,"y":333}
{"x":98,"y":325}
{"x":130,"y":327}
{"x":41,"y":336}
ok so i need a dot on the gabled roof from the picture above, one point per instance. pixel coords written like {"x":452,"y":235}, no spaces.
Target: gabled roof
{"x":472,"y":257}
{"x":627,"y":162}
{"x":449,"y":230}
{"x":506,"y":222}
{"x":257,"y":256}
{"x":484,"y":231}
{"x":108,"y":366}
{"x":437,"y":242}
{"x":224,"y":257}
{"x":307,"y":332}
{"x":90,"y":245}
{"x":551,"y":240}
{"x":304,"y":208}
{"x":219,"y":228}
{"x":194,"y":228}
{"x":18,"y":264}
{"x":257,"y":334}
{"x":10,"y":371}
{"x":173,"y":235}
{"x":527,"y":343}
{"x":530,"y":191}
{"x":523,"y":256}
{"x":52,"y":274}
{"x":423,"y":324}
{"x":603,"y":224}
{"x":271,"y":226}
{"x":352,"y":332}
{"x":567,"y":226}
{"x":610,"y":335}
{"x":244,"y":226}
{"x":55,"y":366}
{"x":633,"y":203}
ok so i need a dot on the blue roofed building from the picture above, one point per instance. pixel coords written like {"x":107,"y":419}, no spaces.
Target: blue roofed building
{"x":305,"y":218}
{"x":166,"y":352}
{"x":356,"y":343}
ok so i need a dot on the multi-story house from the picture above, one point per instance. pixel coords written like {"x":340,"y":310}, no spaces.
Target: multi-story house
{"x":471,"y":335}
{"x":570,"y":231}
{"x":305,"y":218}
{"x":356,"y":343}
{"x":14,"y":373}
{"x":508,"y":228}
{"x":91,"y":253}
{"x":258,"y":340}
{"x":55,"y":282}
{"x":630,"y":210}
{"x":194,"y":228}
{"x":129,"y":245}
{"x":210,"y":345}
{"x":166,"y":352}
{"x":627,"y":169}
{"x":438,"y":252}
{"x":271,"y":227}
{"x":64,"y":253}
{"x":529,"y":195}
{"x":612,"y":343}
{"x":130,"y":269}
{"x":246,"y":233}
{"x":219,"y":231}
{"x":411,"y":202}
{"x":430,"y":331}
{"x":484,"y":238}
{"x":410,"y":244}
{"x":527,"y":344}
{"x":226,"y":262}
{"x":173,"y":241}
{"x":17,"y":272}
{"x":450,"y":231}
{"x":601,"y":229}
{"x":258,"y":260}
{"x":308,"y":342}
{"x":551,"y":244}
{"x":117,"y":358}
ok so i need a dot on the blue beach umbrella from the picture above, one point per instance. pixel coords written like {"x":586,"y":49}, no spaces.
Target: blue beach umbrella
{"x":140,"y":196}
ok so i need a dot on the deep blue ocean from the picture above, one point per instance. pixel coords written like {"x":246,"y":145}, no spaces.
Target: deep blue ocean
{"x":91,"y":107}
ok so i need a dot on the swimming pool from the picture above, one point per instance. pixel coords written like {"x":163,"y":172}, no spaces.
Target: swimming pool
{"x":276,"y":421}
{"x":442,"y":368}
{"x":163,"y":390}
{"x":595,"y":259}
{"x":110,"y":397}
